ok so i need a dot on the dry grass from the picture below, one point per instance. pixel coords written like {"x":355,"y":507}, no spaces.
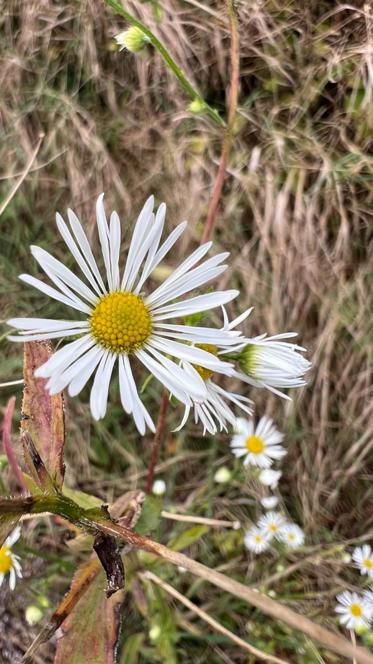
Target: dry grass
{"x":296,"y":215}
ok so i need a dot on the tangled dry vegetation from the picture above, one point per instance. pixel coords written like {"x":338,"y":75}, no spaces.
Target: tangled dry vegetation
{"x":296,"y":216}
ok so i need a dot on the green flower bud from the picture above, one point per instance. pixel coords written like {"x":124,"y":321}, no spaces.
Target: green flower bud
{"x":33,"y":614}
{"x":197,"y":106}
{"x":133,"y":39}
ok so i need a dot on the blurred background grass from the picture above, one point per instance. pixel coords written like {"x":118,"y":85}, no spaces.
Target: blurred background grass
{"x":296,"y":216}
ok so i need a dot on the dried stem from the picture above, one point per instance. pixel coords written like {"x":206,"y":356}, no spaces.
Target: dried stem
{"x":95,"y":520}
{"x":190,"y":518}
{"x":161,"y":421}
{"x":259,"y":654}
{"x":232,"y":107}
{"x":7,"y":443}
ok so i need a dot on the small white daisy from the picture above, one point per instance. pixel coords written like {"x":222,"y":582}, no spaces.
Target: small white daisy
{"x":273,"y":363}
{"x":260,"y":445}
{"x":292,"y":535}
{"x":355,"y":611}
{"x":271,"y":524}
{"x":256,"y":540}
{"x":121,"y":321}
{"x":159,"y":488}
{"x":269,"y":502}
{"x":213,"y":411}
{"x":9,"y":562}
{"x":363,"y":557}
{"x":270,"y":477}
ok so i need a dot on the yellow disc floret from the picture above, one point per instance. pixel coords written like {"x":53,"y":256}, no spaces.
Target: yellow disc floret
{"x":203,"y":372}
{"x":121,"y":322}
{"x":254,"y":444}
{"x":368,"y":563}
{"x":356,"y":610}
{"x":6,"y":562}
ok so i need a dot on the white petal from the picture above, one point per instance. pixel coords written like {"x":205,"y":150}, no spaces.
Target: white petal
{"x":190,"y":354}
{"x":100,"y":388}
{"x":194,"y":305}
{"x":167,"y":246}
{"x":75,"y":303}
{"x":139,"y":411}
{"x":141,"y":230}
{"x":81,"y":239}
{"x":46,"y":324}
{"x":157,"y":233}
{"x":103,"y":233}
{"x":83,"y":264}
{"x":57,"y":272}
{"x":61,"y":359}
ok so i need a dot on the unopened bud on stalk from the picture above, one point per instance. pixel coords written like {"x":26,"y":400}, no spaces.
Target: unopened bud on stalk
{"x":133,"y":39}
{"x":197,"y":106}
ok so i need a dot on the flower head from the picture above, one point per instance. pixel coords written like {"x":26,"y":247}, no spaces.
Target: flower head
{"x":256,"y":540}
{"x":9,"y":562}
{"x":258,"y":445}
{"x":121,"y":320}
{"x":270,"y":477}
{"x":271,"y":524}
{"x":213,"y":411}
{"x":291,"y":535}
{"x":355,"y":611}
{"x":269,"y":502}
{"x":133,"y":39}
{"x":363,"y":557}
{"x":223,"y":475}
{"x":273,"y":363}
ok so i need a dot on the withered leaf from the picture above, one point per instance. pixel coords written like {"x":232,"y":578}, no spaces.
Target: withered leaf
{"x":42,"y":414}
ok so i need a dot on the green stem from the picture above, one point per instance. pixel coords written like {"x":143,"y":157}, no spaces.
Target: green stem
{"x":185,"y":84}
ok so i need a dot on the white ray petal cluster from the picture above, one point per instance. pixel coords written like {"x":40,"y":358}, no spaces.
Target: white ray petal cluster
{"x":121,"y":322}
{"x":258,"y":445}
{"x":291,"y":535}
{"x":354,"y":611}
{"x":273,"y":362}
{"x":10,"y":565}
{"x":256,"y":540}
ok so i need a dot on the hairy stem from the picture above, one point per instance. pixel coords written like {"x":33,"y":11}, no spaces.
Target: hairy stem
{"x":170,"y":62}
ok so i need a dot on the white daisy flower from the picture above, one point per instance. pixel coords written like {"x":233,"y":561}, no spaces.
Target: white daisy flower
{"x":271,"y":524}
{"x":292,"y":535}
{"x":256,"y":540}
{"x":355,"y":611}
{"x":9,"y":562}
{"x":269,"y":502}
{"x":120,"y":321}
{"x":273,"y":363}
{"x":270,"y":477}
{"x":363,"y":557}
{"x":259,"y":445}
{"x":214,"y":411}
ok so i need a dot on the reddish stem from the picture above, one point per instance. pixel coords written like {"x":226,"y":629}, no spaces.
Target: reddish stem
{"x":7,"y":443}
{"x":161,"y":421}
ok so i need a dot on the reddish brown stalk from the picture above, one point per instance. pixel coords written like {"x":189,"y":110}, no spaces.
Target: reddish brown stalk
{"x":161,"y":421}
{"x":232,"y":107}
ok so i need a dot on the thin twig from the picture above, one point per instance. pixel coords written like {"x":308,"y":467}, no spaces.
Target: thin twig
{"x":13,"y":191}
{"x":259,"y":654}
{"x":161,"y":421}
{"x":189,"y":518}
{"x":232,"y":107}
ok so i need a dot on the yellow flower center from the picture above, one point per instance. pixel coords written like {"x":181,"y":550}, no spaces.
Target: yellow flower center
{"x":209,"y":348}
{"x":121,"y":322}
{"x":368,"y":563}
{"x":291,"y":537}
{"x":6,"y":563}
{"x":258,"y":539}
{"x":254,"y":444}
{"x":273,"y":527}
{"x":355,"y":610}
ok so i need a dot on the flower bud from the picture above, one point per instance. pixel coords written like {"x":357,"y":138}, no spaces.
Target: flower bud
{"x":223,"y":475}
{"x":133,"y":39}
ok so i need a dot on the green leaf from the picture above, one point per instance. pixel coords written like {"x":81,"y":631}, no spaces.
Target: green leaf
{"x":42,"y":414}
{"x":91,"y":630}
{"x":188,"y":537}
{"x":150,"y":516}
